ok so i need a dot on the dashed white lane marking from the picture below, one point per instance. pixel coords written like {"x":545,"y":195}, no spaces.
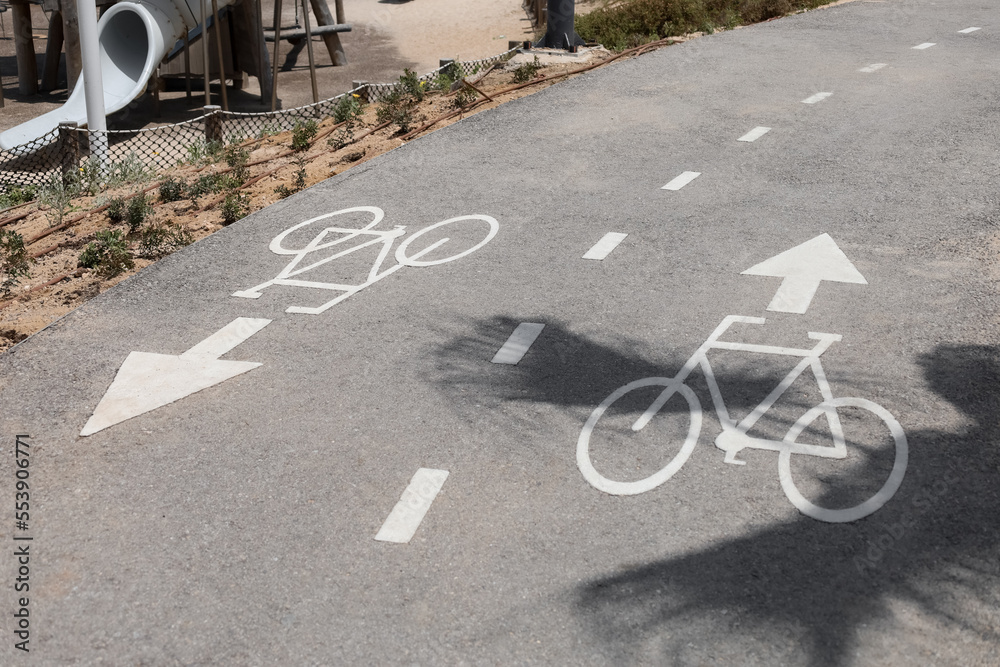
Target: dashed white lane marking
{"x":818,"y":97}
{"x":517,"y":345}
{"x":968,"y":30}
{"x":755,"y":134}
{"x":872,"y":68}
{"x":406,"y":516}
{"x":681,"y":180}
{"x":925,"y":45}
{"x":604,"y":247}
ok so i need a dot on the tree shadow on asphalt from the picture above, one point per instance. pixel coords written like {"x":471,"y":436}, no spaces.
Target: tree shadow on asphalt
{"x":933,"y":546}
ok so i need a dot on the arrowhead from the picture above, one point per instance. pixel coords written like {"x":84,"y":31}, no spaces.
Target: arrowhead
{"x":803,"y":268}
{"x":818,"y":259}
{"x":148,"y":381}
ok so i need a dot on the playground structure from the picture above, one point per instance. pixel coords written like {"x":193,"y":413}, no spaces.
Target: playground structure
{"x":142,"y":40}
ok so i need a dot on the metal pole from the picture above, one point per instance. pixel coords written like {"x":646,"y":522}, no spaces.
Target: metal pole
{"x":277,"y":42}
{"x":560,"y":32}
{"x":218,"y":52}
{"x":93,"y":82}
{"x":204,"y":50}
{"x":187,"y":64}
{"x":309,"y":48}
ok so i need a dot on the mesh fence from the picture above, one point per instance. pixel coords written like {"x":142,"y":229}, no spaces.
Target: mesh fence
{"x":66,"y":149}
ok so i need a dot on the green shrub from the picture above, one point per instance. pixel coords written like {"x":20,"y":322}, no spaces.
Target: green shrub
{"x":635,"y":22}
{"x":16,"y":195}
{"x":464,"y":97}
{"x":117,"y":209}
{"x":348,"y":109}
{"x":14,"y":260}
{"x":139,"y":209}
{"x":107,"y":254}
{"x":237,"y":158}
{"x":205,"y":185}
{"x":302,"y":134}
{"x":527,"y":71}
{"x":171,"y":190}
{"x":396,"y":108}
{"x":234,"y":207}
{"x":158,"y":240}
{"x":412,"y":85}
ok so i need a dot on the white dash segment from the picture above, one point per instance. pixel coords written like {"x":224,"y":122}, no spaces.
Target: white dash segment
{"x":925,"y":45}
{"x":604,"y":247}
{"x":818,"y":97}
{"x":406,"y":516}
{"x":755,"y":134}
{"x":681,"y":180}
{"x":517,"y":345}
{"x":872,"y":68}
{"x":968,"y":30}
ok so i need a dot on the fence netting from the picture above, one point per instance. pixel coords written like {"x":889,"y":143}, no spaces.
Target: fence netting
{"x":159,"y":148}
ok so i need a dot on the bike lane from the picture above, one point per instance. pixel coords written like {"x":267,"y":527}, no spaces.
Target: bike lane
{"x":250,"y":510}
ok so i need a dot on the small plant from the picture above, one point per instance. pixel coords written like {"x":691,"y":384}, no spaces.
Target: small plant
{"x":14,"y":261}
{"x":302,"y":134}
{"x":107,"y":254}
{"x":117,"y":209}
{"x":449,"y":76}
{"x":412,"y":85}
{"x":234,"y":207}
{"x":127,"y":172}
{"x":527,"y":71}
{"x":158,"y":240}
{"x":204,"y":152}
{"x":17,"y":195}
{"x":170,"y":190}
{"x":237,"y":158}
{"x":396,"y":107}
{"x":464,"y":97}
{"x":205,"y":185}
{"x":138,"y":210}
{"x":348,"y":109}
{"x":56,"y":196}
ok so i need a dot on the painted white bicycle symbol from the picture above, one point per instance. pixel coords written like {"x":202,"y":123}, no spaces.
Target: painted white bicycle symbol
{"x":734,"y":438}
{"x":343,"y":235}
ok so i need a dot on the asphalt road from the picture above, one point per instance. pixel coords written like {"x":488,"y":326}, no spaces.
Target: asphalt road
{"x":238,"y":525}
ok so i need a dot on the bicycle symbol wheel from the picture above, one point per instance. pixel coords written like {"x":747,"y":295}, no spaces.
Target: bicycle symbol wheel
{"x":599,"y":481}
{"x":412,"y":260}
{"x":888,"y":489}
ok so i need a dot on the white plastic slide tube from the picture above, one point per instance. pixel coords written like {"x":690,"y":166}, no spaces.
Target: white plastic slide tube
{"x":133,"y":37}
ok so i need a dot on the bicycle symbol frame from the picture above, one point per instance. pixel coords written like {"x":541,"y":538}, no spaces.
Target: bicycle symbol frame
{"x":734,"y":438}
{"x":287,"y":276}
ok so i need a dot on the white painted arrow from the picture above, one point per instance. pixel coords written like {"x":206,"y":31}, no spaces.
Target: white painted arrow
{"x":148,"y":381}
{"x":803,"y":268}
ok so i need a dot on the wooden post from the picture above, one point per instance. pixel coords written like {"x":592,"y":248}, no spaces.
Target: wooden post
{"x":53,"y":52}
{"x":24,"y":47}
{"x":71,"y":42}
{"x":309,"y":50}
{"x":340,"y":11}
{"x":332,"y":39}
{"x":277,"y":43}
{"x":69,"y":150}
{"x":213,"y":123}
{"x":218,"y":53}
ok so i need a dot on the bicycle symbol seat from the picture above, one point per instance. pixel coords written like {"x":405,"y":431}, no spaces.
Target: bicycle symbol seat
{"x":734,"y":437}
{"x":367,"y":236}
